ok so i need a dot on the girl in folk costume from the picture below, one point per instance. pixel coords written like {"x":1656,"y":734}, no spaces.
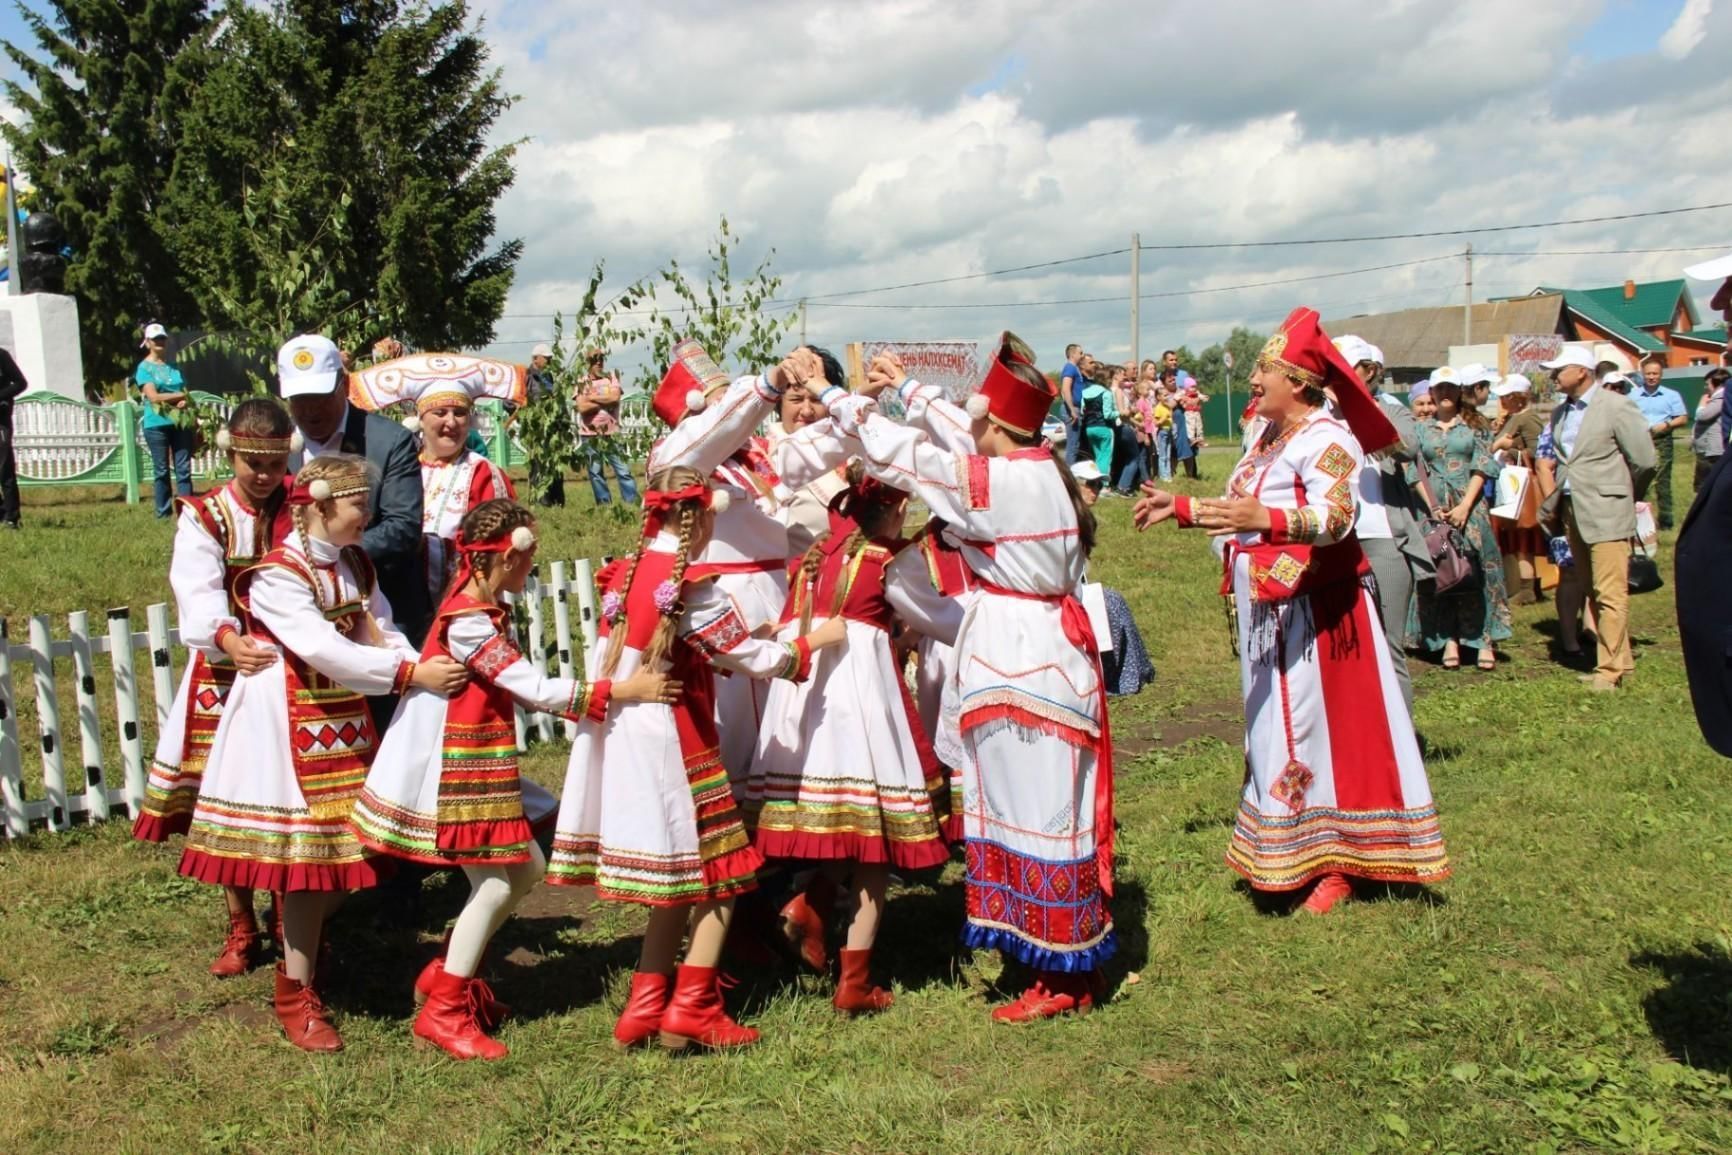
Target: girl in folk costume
{"x":945,"y":597}
{"x":647,"y":815}
{"x":296,"y":738}
{"x":711,"y":432}
{"x":444,"y":790}
{"x":219,"y":535}
{"x":843,"y":771}
{"x":806,"y":512}
{"x":1037,"y":757}
{"x":443,"y":388}
{"x":1334,"y":787}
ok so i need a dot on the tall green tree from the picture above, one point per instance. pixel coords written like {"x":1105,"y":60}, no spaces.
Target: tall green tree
{"x":382,"y":108}
{"x":102,"y":97}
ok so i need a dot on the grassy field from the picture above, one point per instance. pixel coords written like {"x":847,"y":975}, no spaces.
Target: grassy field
{"x":1570,"y":989}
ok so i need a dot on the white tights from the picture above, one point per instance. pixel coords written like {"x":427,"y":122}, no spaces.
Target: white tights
{"x":494,"y":891}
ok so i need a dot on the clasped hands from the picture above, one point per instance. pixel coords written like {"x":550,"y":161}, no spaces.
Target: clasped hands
{"x":1218,"y":516}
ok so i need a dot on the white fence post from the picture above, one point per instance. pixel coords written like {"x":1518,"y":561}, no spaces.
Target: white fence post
{"x":586,"y":615}
{"x":89,"y":736}
{"x":126,"y":706}
{"x":11,"y":764}
{"x":161,"y":663}
{"x":537,"y":648}
{"x":562,"y":632}
{"x":48,"y":723}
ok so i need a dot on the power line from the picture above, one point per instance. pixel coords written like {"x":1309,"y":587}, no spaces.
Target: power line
{"x":1601,"y":252}
{"x":971,"y":276}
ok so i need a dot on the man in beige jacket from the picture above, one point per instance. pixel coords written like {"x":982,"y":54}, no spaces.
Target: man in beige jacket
{"x":1606,"y":461}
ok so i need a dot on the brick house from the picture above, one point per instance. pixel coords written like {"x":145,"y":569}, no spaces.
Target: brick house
{"x":1643,"y":319}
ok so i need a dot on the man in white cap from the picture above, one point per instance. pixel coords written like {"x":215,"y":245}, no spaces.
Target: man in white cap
{"x":1387,"y":525}
{"x":1605,"y":461}
{"x":310,"y":375}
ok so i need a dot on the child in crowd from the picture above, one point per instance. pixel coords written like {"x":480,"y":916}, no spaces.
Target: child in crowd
{"x":444,"y":790}
{"x":219,"y":536}
{"x":844,"y":774}
{"x":647,"y":815}
{"x":296,"y":738}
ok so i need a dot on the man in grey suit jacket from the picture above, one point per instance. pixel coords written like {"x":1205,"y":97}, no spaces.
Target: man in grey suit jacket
{"x":1387,"y":528}
{"x":310,"y":374}
{"x":1606,"y":460}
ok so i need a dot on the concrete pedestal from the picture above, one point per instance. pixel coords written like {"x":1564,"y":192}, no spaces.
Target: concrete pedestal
{"x":41,"y":332}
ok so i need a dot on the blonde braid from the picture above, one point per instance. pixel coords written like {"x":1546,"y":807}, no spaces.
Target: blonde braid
{"x":299,"y":514}
{"x":663,"y":641}
{"x":808,"y":584}
{"x":616,"y":630}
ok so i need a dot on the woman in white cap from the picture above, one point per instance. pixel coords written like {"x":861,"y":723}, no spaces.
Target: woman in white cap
{"x":443,"y":388}
{"x":171,"y":445}
{"x":1517,"y":436}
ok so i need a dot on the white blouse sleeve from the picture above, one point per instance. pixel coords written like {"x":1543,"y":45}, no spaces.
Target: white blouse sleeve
{"x":195,"y":574}
{"x":712,"y":623}
{"x":905,"y":457}
{"x":804,"y":456}
{"x":943,"y":421}
{"x":909,"y":590}
{"x":706,"y":439}
{"x":492,"y":657}
{"x":284,"y":604}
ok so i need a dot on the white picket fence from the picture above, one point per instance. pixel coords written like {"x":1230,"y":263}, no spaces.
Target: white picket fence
{"x":571,"y":655}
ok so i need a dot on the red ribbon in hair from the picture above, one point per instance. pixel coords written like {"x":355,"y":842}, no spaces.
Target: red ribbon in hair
{"x":466,"y":551}
{"x":662,"y":500}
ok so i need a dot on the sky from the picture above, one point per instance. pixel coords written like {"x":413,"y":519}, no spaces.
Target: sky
{"x":873,"y":143}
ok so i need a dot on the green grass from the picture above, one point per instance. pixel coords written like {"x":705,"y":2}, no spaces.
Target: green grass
{"x":1570,"y":989}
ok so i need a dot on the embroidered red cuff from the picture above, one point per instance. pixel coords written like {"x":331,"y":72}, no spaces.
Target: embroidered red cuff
{"x":224,"y":632}
{"x":405,"y":671}
{"x":1278,"y":527}
{"x":596,"y":708}
{"x":799,"y":665}
{"x":1184,"y":509}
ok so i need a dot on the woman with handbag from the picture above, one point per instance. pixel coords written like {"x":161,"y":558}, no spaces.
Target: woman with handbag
{"x":1454,"y":466}
{"x":1335,"y":786}
{"x":1519,"y":538}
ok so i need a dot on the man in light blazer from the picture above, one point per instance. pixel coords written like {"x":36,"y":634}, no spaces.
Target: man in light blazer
{"x":1606,"y":461}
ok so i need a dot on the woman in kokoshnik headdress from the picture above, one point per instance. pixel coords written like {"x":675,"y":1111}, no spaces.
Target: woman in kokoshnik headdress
{"x":1335,"y":787}
{"x":647,"y":815}
{"x":220,"y":535}
{"x":296,"y":738}
{"x":1036,"y":806}
{"x":443,"y":388}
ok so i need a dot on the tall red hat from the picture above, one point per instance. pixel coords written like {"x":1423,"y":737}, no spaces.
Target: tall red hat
{"x":1010,"y":402}
{"x":1303,"y":351}
{"x":691,"y":378}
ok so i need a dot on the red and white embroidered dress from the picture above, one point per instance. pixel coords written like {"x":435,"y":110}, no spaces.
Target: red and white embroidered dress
{"x":218,"y":536}
{"x":1334,"y":780}
{"x":449,"y":490}
{"x":1036,"y":765}
{"x":292,"y":751}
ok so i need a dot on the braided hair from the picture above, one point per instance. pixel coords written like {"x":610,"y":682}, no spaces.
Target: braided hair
{"x":684,"y":517}
{"x":337,"y":469}
{"x":487,"y":523}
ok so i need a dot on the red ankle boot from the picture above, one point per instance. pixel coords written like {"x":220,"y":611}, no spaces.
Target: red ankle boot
{"x":695,"y":1016}
{"x":242,"y":950}
{"x":491,"y":1014}
{"x":303,"y":1016}
{"x":805,"y":919}
{"x":855,"y":994}
{"x":641,"y":1020}
{"x":1330,"y":889}
{"x":1053,"y":993}
{"x":449,"y":1022}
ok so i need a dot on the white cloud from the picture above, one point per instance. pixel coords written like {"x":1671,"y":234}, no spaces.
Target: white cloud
{"x":1687,"y":31}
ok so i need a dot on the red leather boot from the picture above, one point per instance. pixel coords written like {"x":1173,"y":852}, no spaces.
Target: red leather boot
{"x":448,"y":1019}
{"x":1330,"y":889}
{"x":491,"y":1012}
{"x":805,"y":919}
{"x":1053,"y":993}
{"x":855,"y":994}
{"x":641,"y":1020}
{"x":242,"y":950}
{"x":303,"y":1016}
{"x":695,"y":1015}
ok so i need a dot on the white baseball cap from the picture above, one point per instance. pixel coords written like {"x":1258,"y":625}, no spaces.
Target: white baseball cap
{"x":1514,"y":383}
{"x":1354,"y":350}
{"x":152,"y":331}
{"x":1087,"y":472}
{"x":1443,"y":375}
{"x":1476,"y":374}
{"x":1572,"y":355}
{"x":308,"y":365}
{"x":542,"y":350}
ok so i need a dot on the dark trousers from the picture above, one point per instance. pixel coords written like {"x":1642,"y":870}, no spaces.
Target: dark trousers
{"x":1663,"y":450}
{"x":547,"y":488}
{"x":1704,"y":466}
{"x":9,"y":514}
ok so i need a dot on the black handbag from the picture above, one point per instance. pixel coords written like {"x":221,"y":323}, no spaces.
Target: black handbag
{"x":1451,"y":559}
{"x":1644,"y":571}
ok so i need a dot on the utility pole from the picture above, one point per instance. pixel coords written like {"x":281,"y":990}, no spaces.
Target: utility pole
{"x":1136,"y":311}
{"x":802,"y":321}
{"x":1467,"y":309}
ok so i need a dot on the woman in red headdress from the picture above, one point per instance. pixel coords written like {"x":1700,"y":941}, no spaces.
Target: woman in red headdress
{"x":647,"y":815}
{"x":843,"y":773}
{"x":1036,"y":806}
{"x":1335,"y":787}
